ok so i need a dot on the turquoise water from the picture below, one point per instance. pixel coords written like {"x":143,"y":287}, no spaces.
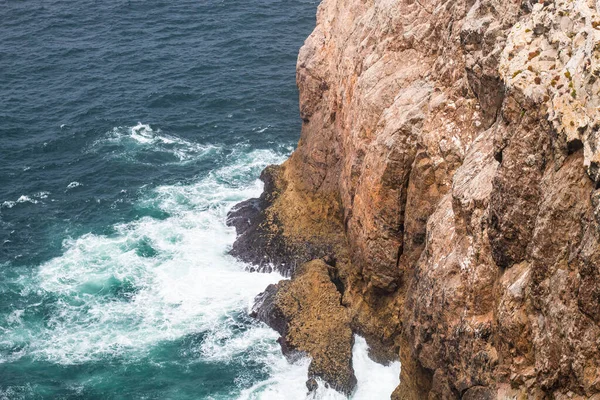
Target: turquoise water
{"x":128,"y":129}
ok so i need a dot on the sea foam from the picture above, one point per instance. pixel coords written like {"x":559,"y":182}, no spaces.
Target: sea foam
{"x":158,"y":280}
{"x":135,"y":143}
{"x":21,"y":200}
{"x":153,"y":280}
{"x":288,"y":380}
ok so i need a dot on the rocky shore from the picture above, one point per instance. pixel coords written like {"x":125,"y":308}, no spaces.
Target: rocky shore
{"x":443,"y":200}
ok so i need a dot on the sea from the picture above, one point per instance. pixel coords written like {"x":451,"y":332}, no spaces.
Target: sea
{"x":128,"y":130}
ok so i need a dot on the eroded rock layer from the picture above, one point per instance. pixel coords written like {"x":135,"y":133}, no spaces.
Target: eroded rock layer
{"x":449,"y":163}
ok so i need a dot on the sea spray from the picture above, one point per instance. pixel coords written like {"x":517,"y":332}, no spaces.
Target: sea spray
{"x":288,"y":381}
{"x":143,"y":144}
{"x":161,"y":283}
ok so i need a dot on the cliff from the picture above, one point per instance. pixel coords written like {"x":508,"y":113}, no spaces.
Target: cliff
{"x":447,"y":172}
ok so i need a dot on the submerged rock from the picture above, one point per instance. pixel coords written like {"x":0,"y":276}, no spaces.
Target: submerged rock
{"x":312,"y":385}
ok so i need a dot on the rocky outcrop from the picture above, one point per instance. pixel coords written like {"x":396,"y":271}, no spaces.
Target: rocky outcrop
{"x":449,"y":162}
{"x":282,"y":229}
{"x":307,"y":313}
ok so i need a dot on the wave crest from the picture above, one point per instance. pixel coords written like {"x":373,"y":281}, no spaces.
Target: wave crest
{"x":143,"y":144}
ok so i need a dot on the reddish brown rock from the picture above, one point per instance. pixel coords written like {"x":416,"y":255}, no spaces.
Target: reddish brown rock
{"x":449,"y":161}
{"x":307,"y":313}
{"x":272,"y":234}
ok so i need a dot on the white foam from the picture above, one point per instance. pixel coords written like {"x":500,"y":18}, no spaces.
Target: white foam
{"x":375,"y":381}
{"x":174,"y":277}
{"x":26,"y":199}
{"x":21,"y":200}
{"x":129,"y":142}
{"x":261,"y":129}
{"x":73,"y":185}
{"x":288,"y":381}
{"x":17,"y":392}
{"x":42,"y":195}
{"x":158,"y":280}
{"x":8,"y":204}
{"x":143,"y":133}
{"x":14,"y":318}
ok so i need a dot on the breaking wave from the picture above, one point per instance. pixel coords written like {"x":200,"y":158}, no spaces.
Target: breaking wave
{"x":142,"y":144}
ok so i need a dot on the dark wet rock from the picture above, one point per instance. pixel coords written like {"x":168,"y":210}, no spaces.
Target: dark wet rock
{"x":312,"y":385}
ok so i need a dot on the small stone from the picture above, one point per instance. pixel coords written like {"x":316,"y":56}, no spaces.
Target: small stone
{"x":312,"y":385}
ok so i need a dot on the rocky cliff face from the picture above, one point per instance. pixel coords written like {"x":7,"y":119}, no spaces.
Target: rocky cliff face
{"x":449,"y":162}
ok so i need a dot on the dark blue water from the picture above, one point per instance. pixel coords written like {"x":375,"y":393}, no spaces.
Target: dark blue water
{"x":127,"y":130}
{"x":209,"y":72}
